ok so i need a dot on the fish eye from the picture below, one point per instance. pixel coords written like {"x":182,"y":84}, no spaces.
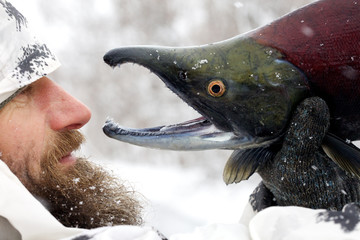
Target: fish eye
{"x":216,"y":88}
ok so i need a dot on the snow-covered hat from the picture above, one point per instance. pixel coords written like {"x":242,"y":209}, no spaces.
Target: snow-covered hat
{"x":23,"y":59}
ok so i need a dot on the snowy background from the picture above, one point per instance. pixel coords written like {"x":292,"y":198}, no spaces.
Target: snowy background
{"x":183,"y":189}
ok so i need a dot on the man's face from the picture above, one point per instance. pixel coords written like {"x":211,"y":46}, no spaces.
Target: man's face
{"x":31,"y":120}
{"x":38,"y":136}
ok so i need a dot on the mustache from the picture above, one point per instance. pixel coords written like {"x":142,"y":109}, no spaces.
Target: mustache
{"x":108,"y":200}
{"x":63,"y":143}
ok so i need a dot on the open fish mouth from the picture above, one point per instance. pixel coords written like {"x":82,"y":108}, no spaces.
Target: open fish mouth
{"x":203,"y":78}
{"x":197,"y":134}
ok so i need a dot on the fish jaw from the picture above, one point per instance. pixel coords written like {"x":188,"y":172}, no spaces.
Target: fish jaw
{"x":195,"y":135}
{"x":260,"y":90}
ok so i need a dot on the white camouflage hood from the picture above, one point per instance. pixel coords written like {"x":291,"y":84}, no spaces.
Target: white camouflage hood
{"x":23,"y":58}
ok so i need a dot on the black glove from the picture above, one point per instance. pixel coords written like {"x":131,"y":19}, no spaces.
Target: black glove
{"x":298,"y":172}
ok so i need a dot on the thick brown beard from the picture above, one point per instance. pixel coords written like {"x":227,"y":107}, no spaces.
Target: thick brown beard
{"x":83,"y":195}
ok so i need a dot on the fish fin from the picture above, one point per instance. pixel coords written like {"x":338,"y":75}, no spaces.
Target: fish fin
{"x":243,"y":163}
{"x":345,"y":155}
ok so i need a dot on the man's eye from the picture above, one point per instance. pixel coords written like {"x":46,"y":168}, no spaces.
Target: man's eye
{"x":23,"y":97}
{"x":27,"y":90}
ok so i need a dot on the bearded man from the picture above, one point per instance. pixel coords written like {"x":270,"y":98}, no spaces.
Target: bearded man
{"x":39,"y":125}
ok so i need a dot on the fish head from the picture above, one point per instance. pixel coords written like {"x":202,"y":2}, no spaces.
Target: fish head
{"x":245,"y":90}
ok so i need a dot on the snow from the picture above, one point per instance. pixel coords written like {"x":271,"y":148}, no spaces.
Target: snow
{"x":238,"y":4}
{"x":181,"y":199}
{"x":296,"y":223}
{"x":200,"y":63}
{"x":215,"y":232}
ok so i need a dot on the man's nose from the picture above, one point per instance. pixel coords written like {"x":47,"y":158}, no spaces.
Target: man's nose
{"x":66,"y":112}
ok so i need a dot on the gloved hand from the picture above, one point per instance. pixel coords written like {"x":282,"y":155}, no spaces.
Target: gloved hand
{"x":301,"y":174}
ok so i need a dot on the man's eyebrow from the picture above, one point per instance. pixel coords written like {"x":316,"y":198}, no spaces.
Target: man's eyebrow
{"x":26,"y":89}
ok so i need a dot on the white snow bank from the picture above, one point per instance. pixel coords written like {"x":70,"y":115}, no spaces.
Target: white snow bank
{"x":181,"y":199}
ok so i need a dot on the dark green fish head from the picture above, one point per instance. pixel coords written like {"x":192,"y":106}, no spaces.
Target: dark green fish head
{"x":245,"y":92}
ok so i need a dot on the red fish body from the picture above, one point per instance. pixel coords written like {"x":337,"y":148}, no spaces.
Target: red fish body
{"x":323,"y":40}
{"x":248,"y":87}
{"x":315,"y":49}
